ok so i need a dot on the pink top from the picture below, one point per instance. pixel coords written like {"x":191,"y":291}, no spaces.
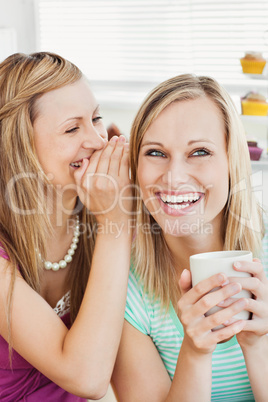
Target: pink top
{"x":24,"y":382}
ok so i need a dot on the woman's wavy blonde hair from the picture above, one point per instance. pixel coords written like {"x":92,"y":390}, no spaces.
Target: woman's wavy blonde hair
{"x":242,"y":225}
{"x":24,"y":219}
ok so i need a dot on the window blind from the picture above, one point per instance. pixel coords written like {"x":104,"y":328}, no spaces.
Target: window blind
{"x":142,"y":42}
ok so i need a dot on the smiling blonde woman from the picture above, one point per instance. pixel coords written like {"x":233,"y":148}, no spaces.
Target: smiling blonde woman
{"x":63,"y":283}
{"x":193,"y":195}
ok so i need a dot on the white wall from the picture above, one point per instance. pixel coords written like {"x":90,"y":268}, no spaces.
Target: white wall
{"x":121,"y":117}
{"x":19,"y":14}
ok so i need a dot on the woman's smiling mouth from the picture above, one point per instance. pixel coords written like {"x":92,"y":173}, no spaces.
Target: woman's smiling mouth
{"x":78,"y":164}
{"x":173,"y":202}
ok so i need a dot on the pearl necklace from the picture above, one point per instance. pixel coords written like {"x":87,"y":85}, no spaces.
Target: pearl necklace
{"x":55,"y":266}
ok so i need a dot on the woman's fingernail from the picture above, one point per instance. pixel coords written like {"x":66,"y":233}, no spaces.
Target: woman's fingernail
{"x":222,"y":277}
{"x":83,"y":166}
{"x":221,"y":303}
{"x":236,"y":287}
{"x":242,"y":303}
{"x":184,"y":271}
{"x":237,"y":264}
{"x":239,"y":325}
{"x":114,"y":138}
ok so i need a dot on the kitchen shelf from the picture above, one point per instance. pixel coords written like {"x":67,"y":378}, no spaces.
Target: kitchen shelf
{"x":262,"y":163}
{"x":255,"y":119}
{"x":257,"y":126}
{"x":257,"y":76}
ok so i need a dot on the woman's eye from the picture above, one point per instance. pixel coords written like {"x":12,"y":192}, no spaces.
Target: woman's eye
{"x":97,"y":119}
{"x":72,"y":130}
{"x":201,"y":152}
{"x":154,"y":152}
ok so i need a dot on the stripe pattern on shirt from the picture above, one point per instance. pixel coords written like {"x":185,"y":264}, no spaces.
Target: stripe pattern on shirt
{"x":229,"y":374}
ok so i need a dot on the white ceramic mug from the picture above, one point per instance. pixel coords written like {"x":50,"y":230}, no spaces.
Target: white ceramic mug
{"x":204,"y":265}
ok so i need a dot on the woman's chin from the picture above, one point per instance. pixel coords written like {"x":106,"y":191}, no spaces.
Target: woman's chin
{"x":184,"y":228}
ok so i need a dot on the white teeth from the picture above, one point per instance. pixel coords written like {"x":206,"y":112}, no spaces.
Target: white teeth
{"x":76,"y":164}
{"x":178,"y":206}
{"x":163,"y":197}
{"x":175,"y":199}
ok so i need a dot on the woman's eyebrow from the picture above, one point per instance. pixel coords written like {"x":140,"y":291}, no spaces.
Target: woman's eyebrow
{"x":200,"y":140}
{"x":152,"y":143}
{"x":96,"y":109}
{"x":70,"y":118}
{"x":79,"y":117}
{"x":146,"y":143}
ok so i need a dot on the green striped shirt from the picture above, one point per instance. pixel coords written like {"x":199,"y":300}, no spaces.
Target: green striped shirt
{"x":229,"y":374}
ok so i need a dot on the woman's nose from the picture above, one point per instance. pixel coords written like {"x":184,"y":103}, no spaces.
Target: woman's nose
{"x":176,"y":174}
{"x":95,"y":139}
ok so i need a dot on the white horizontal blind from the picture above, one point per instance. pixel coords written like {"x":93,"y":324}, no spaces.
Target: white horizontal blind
{"x":145,"y":41}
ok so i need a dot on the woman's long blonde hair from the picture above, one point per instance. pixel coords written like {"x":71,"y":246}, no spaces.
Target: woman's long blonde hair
{"x":242,"y":226}
{"x":24,"y":220}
